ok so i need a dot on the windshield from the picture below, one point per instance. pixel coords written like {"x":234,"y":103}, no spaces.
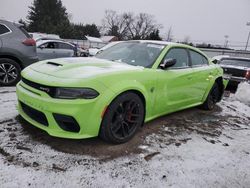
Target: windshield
{"x":133,"y":53}
{"x":236,"y":62}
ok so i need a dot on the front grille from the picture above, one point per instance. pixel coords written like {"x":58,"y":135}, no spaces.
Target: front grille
{"x":48,"y":89}
{"x":34,"y":114}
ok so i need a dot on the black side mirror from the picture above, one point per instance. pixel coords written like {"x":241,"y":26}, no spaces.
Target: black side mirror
{"x":216,"y":61}
{"x":167,"y":63}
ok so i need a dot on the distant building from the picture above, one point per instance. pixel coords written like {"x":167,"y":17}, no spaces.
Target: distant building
{"x":92,"y":42}
{"x":107,"y":39}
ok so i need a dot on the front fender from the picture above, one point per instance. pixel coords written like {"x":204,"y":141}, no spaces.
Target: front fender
{"x":131,"y":85}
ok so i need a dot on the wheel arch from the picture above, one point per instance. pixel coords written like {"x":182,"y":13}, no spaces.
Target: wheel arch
{"x":219,"y":81}
{"x":13,"y":58}
{"x":137,"y":92}
{"x":134,"y":87}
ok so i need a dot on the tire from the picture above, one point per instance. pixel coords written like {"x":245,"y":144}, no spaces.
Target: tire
{"x":212,"y":98}
{"x":122,"y":118}
{"x":10,"y":72}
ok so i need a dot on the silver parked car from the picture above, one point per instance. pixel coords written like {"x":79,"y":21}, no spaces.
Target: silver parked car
{"x":50,"y":49}
{"x":17,"y":50}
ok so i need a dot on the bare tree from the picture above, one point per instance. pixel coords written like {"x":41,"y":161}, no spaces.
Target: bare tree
{"x":141,"y":26}
{"x":115,"y":24}
{"x":129,"y":26}
{"x":169,"y":36}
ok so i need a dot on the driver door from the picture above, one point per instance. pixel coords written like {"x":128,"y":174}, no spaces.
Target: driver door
{"x":175,"y":83}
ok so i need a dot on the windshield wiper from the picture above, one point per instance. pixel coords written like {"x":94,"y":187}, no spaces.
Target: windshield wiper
{"x":118,"y":61}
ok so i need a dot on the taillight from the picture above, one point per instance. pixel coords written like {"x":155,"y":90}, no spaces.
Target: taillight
{"x":29,"y":42}
{"x":247,"y":76}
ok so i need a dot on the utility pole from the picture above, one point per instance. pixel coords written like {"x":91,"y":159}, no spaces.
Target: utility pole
{"x":226,"y":41}
{"x":248,"y":24}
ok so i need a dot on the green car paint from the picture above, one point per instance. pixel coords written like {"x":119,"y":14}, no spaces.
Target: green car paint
{"x":163,"y":91}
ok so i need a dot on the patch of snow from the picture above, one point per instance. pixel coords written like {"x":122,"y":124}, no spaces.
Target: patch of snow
{"x":243,"y":93}
{"x":8,"y":102}
{"x":176,"y":156}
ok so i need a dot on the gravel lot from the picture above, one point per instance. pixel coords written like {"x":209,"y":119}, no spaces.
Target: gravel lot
{"x":191,"y":148}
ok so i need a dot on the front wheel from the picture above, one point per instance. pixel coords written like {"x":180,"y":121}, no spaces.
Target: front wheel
{"x":122,"y":118}
{"x":212,"y":98}
{"x":9,"y":72}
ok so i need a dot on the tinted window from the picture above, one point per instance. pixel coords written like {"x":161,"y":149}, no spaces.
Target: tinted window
{"x":180,"y":55}
{"x":236,"y":62}
{"x":197,"y":59}
{"x":50,"y":45}
{"x":205,"y":61}
{"x":3,"y":29}
{"x":64,"y":46}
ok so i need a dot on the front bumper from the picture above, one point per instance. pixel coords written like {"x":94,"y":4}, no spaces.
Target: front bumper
{"x":86,"y":113}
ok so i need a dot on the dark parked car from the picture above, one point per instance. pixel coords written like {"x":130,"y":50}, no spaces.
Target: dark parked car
{"x":17,"y":50}
{"x":237,"y":68}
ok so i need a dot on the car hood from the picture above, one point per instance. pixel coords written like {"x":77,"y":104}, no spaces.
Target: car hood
{"x":76,"y":68}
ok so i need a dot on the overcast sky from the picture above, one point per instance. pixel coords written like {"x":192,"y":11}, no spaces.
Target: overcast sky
{"x":201,"y":20}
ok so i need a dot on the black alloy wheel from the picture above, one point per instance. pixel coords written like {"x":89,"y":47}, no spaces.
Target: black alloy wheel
{"x":122,"y":118}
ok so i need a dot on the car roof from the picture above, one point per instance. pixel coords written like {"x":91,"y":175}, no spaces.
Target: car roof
{"x":10,"y":22}
{"x":153,"y":41}
{"x":236,"y":58}
{"x":166,"y":43}
{"x":175,"y":44}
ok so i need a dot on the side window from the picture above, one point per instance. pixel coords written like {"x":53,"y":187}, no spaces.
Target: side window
{"x":198,"y":59}
{"x":180,"y":55}
{"x":205,"y":61}
{"x":65,"y":46}
{"x":3,"y":29}
{"x":49,"y":45}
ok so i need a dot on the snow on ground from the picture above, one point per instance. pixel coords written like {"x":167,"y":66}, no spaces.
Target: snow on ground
{"x":191,"y":148}
{"x":243,"y":93}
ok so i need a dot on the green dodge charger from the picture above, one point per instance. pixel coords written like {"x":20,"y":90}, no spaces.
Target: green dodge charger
{"x":114,"y":93}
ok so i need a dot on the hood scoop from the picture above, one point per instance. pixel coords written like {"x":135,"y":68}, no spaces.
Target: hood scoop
{"x":54,"y":64}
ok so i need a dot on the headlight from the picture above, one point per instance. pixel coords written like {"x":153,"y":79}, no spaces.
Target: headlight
{"x":75,"y":93}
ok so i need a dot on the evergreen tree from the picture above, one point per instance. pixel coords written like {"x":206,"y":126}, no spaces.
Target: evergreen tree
{"x":91,"y":30}
{"x":49,"y":16}
{"x":154,"y":35}
{"x":25,"y":25}
{"x":79,"y":30}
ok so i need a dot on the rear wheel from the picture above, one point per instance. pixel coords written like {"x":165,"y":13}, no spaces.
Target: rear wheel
{"x":122,"y":118}
{"x":212,"y":98}
{"x":9,"y":72}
